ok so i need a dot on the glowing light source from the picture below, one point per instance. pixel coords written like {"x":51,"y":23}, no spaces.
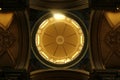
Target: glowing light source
{"x":44,"y":55}
{"x":74,"y":23}
{"x":44,"y":23}
{"x":58,"y":16}
{"x":38,"y":40}
{"x":0,"y":9}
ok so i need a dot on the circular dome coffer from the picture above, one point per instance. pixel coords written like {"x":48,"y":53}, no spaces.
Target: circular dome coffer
{"x":59,"y":40}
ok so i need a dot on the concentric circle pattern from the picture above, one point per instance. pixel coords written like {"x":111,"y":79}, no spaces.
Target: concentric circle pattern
{"x":59,"y":40}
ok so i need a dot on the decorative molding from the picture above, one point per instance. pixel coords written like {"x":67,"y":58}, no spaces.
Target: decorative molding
{"x":112,"y":39}
{"x":59,"y":4}
{"x":6,"y":40}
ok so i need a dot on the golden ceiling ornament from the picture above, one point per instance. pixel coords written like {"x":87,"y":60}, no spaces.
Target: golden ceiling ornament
{"x":59,"y":39}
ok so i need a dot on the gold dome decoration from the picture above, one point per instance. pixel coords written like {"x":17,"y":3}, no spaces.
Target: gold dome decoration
{"x":59,"y":39}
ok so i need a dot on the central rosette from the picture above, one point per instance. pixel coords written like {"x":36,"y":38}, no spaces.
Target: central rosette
{"x":59,"y":41}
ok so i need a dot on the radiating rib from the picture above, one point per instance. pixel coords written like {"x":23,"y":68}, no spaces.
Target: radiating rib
{"x":48,"y":35}
{"x":55,"y":29}
{"x":71,"y":35}
{"x":70,"y":44}
{"x":55,"y":50}
{"x":64,"y":29}
{"x":49,"y":44}
{"x":64,"y":50}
